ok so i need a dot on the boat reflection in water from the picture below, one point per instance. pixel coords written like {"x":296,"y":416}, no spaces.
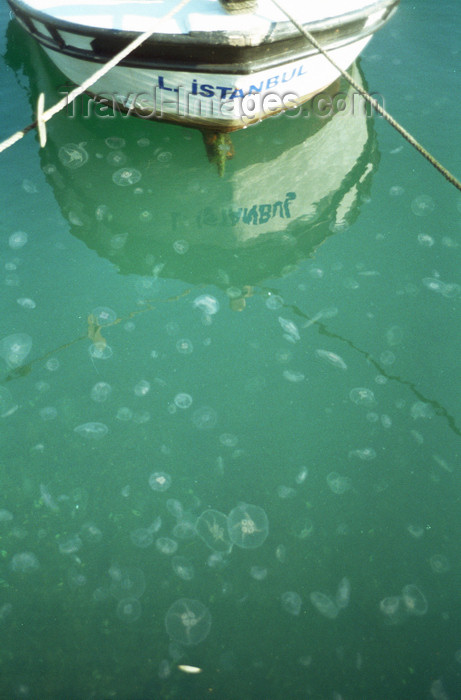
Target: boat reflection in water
{"x":144,"y":196}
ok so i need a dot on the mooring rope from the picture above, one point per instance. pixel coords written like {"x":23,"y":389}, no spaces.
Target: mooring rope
{"x":44,"y":116}
{"x":389,"y":118}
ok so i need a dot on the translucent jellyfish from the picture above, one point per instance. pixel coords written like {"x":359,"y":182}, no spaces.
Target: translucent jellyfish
{"x":185,"y":528}
{"x":183,"y":568}
{"x":70,"y":545}
{"x":290,"y":329}
{"x":205,"y":418}
{"x":285,"y":491}
{"x":142,"y":387}
{"x":91,"y":532}
{"x":343,"y":593}
{"x":391,"y":607}
{"x":76,"y":578}
{"x":420,"y":409}
{"x":306,"y":528}
{"x":259,"y":573}
{"x":228,"y":440}
{"x":332,"y":358}
{"x":18,"y":239}
{"x":72,"y":156}
{"x":274,"y":301}
{"x":188,"y":621}
{"x":424,"y":239}
{"x":124,"y":413}
{"x":159,"y":481}
{"x":415,"y":531}
{"x":164,"y":156}
{"x":164,"y":669}
{"x":387,"y":358}
{"x":166,"y":545}
{"x":184,"y":346}
{"x":15,"y":348}
{"x":26,"y":303}
{"x":103,"y":316}
{"x":5,"y":515}
{"x":126,"y":176}
{"x":438,"y":691}
{"x":48,"y":413}
{"x":142,"y":537}
{"x":422,"y":205}
{"x":7,"y":405}
{"x":366,"y":454}
{"x":281,"y":553}
{"x":24,"y":563}
{"x":115,"y":142}
{"x":126,"y":582}
{"x":293,"y":376}
{"x":414,"y":600}
{"x":5,"y":610}
{"x":183,"y":400}
{"x":291,"y":602}
{"x":206,"y":303}
{"x":439,"y":564}
{"x":324,"y":604}
{"x":248,"y":526}
{"x":52,"y":365}
{"x":181,"y":246}
{"x":386,"y":421}
{"x":337,"y":483}
{"x":93,"y":431}
{"x":101,"y":392}
{"x":283,"y":356}
{"x":129,"y":609}
{"x":175,"y":507}
{"x":116,"y":158}
{"x":302,"y":475}
{"x":212,"y":528}
{"x":362,"y":396}
{"x":100,"y":351}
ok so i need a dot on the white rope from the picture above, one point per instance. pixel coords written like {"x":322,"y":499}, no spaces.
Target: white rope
{"x":389,"y":118}
{"x":68,"y":99}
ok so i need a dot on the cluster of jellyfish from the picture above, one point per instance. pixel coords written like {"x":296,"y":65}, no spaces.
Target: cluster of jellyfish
{"x":188,"y":621}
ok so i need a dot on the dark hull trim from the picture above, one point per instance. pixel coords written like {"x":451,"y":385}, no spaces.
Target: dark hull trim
{"x":193,"y":52}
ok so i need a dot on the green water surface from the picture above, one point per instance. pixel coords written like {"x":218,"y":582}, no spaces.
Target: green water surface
{"x":279,"y":345}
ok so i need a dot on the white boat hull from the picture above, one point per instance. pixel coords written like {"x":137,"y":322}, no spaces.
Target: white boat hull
{"x":203,"y":68}
{"x":218,"y":101}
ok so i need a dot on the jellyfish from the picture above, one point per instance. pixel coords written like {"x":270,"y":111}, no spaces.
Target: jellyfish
{"x":129,"y":609}
{"x":212,"y":528}
{"x":126,"y":582}
{"x":248,"y":526}
{"x":291,"y":602}
{"x":324,"y":604}
{"x":414,"y":600}
{"x":188,"y":621}
{"x":159,"y":481}
{"x":15,"y":348}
